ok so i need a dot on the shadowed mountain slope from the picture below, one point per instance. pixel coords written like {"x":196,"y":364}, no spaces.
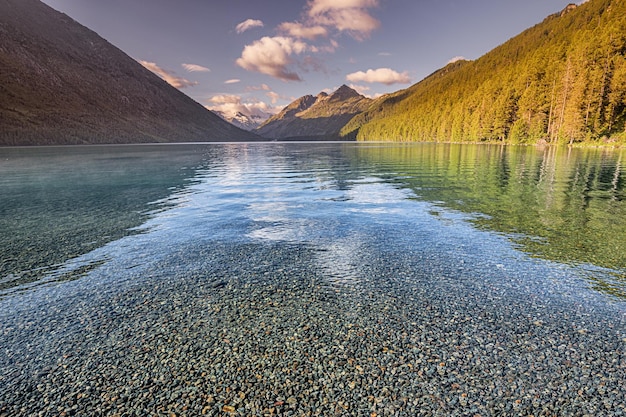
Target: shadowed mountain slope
{"x":61,"y":83}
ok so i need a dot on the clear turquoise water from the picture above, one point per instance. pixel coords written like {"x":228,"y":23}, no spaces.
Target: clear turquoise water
{"x":69,"y":210}
{"x":312,"y":279}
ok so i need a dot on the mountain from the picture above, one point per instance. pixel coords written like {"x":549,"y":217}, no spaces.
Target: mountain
{"x":561,"y":81}
{"x":61,"y":83}
{"x":246,"y":121}
{"x":318,"y":117}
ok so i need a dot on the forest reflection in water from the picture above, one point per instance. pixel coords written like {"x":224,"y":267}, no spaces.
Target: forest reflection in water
{"x":560,"y":204}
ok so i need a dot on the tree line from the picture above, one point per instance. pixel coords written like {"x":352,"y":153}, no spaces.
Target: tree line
{"x":562,"y":81}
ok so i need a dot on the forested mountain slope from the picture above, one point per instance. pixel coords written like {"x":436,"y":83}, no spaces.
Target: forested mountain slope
{"x":561,"y":81}
{"x":61,"y":83}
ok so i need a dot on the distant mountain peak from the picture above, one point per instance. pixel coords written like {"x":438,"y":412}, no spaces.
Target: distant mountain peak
{"x":244,"y":120}
{"x":343,"y":93}
{"x":302,"y":103}
{"x":319,"y":117}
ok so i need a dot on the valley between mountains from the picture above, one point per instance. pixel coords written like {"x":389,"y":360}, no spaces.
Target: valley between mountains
{"x":562,"y":81}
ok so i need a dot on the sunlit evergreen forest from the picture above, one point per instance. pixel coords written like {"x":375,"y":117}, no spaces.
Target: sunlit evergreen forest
{"x":562,"y":81}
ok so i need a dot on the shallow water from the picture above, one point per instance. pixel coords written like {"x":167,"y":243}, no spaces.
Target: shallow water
{"x":312,"y":279}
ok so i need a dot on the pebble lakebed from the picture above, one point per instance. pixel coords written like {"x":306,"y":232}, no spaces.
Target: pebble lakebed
{"x":208,"y":334}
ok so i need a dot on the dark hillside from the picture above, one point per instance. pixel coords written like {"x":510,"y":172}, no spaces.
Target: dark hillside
{"x":61,"y":83}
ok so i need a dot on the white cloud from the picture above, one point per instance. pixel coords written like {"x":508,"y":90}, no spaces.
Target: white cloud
{"x":358,"y":23}
{"x":329,"y":49}
{"x":361,"y":89}
{"x":272,"y":56}
{"x":278,"y":56}
{"x":321,"y":6}
{"x":262,"y":87}
{"x":248,"y":24}
{"x":349,"y":16}
{"x":274,"y":97}
{"x":299,"y":30}
{"x":169,"y":76}
{"x":195,"y":68}
{"x":456,"y":59}
{"x":225,"y":99}
{"x":381,"y":75}
{"x":232,"y":81}
{"x":230,"y":105}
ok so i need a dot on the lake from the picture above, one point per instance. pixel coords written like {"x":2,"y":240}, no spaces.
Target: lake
{"x":312,"y":279}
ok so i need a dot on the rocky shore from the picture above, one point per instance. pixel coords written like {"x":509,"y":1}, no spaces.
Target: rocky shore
{"x":205,"y":334}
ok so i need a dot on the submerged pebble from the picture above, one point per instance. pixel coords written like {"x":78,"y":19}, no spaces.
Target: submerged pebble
{"x":268,"y":284}
{"x":283,"y":341}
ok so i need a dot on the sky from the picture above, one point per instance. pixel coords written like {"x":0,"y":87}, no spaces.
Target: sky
{"x":259,"y":55}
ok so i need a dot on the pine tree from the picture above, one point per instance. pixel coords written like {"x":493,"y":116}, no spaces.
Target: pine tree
{"x":562,"y":81}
